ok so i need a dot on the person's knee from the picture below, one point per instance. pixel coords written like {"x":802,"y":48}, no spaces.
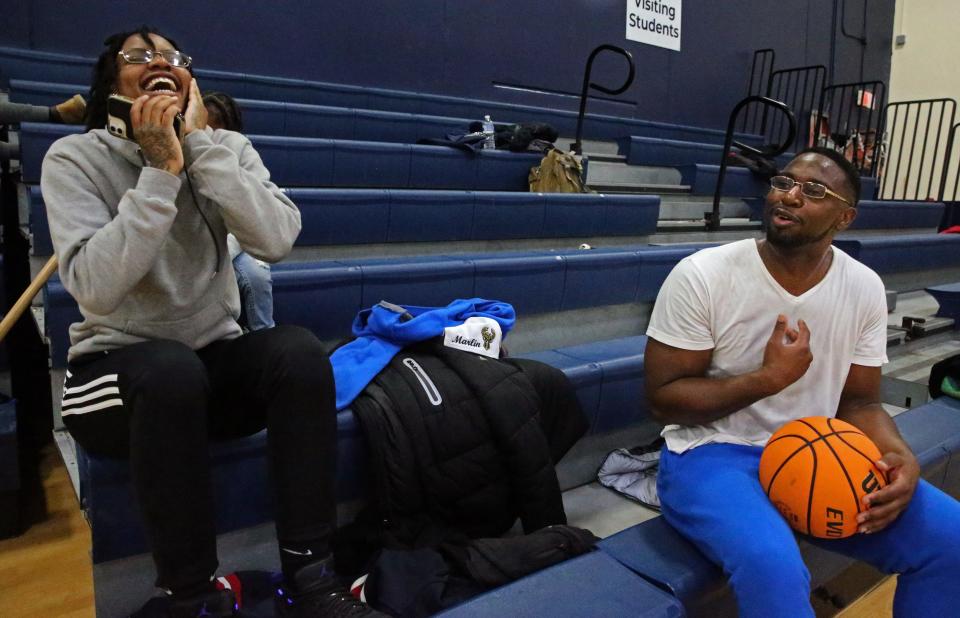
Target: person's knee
{"x":942,"y":543}
{"x":259,"y":278}
{"x":170,"y":369}
{"x":298,"y":351}
{"x":252,"y":274}
{"x":770,"y":566}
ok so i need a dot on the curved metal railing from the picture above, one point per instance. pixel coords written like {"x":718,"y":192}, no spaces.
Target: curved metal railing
{"x":577,"y":145}
{"x":712,"y":218}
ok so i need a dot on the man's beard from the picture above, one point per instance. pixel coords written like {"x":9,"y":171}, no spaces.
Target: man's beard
{"x":793,"y":241}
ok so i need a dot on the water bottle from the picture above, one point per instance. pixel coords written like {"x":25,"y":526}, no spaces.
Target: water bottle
{"x":489,"y":139}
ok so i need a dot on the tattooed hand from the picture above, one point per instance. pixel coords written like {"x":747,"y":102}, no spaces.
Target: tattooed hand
{"x":152,"y":120}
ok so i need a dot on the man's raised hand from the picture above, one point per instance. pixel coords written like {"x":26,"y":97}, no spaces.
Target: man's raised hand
{"x":152,"y":120}
{"x":787,"y":355}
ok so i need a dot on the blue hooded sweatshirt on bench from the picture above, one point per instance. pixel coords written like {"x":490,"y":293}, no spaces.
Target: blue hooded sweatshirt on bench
{"x":385,"y":329}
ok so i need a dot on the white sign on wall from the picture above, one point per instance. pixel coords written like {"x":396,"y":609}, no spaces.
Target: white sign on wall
{"x":654,"y":22}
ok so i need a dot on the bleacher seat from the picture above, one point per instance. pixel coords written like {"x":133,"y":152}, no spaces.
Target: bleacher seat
{"x":325,"y":296}
{"x":904,"y":252}
{"x":741,"y":182}
{"x":883,"y":214}
{"x":330,"y":216}
{"x":562,"y":590}
{"x":642,"y":150}
{"x":316,"y":162}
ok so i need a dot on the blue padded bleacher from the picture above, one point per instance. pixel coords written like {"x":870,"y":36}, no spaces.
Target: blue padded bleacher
{"x":609,"y":380}
{"x":40,"y":67}
{"x":642,"y":150}
{"x":657,"y":552}
{"x":292,"y":119}
{"x":738,"y":181}
{"x":888,"y":215}
{"x":330,"y":216}
{"x":882,"y":214}
{"x":948,"y":297}
{"x":562,"y":591}
{"x":325,"y":296}
{"x":316,"y":162}
{"x":741,"y":182}
{"x":905,"y":252}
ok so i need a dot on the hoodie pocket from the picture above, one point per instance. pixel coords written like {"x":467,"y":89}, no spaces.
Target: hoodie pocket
{"x":189,"y":329}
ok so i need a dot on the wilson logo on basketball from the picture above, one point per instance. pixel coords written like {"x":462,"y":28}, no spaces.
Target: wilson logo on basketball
{"x":870,"y":484}
{"x":816,"y":471}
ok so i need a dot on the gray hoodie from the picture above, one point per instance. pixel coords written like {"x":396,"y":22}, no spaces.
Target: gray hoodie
{"x":133,"y":248}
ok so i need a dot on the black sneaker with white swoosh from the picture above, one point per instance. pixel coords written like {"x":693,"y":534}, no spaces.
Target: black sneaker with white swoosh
{"x":317,"y":592}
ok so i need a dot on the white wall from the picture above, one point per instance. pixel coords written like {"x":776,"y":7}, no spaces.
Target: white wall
{"x":927,"y":66}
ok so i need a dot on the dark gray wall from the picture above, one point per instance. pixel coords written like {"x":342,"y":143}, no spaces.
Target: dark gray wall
{"x":463,"y":47}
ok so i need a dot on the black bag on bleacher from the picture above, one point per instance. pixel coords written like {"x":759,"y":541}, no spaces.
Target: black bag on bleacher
{"x":460,"y":445}
{"x":523,"y":137}
{"x":945,"y":378}
{"x":468,"y":142}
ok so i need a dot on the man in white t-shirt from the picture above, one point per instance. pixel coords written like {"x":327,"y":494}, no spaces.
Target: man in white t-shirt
{"x":747,"y":336}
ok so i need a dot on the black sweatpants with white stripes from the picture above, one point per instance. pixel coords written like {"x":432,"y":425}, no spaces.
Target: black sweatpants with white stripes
{"x":159,"y":403}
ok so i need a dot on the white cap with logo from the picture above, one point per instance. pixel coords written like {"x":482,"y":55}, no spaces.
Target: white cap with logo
{"x":477,"y":334}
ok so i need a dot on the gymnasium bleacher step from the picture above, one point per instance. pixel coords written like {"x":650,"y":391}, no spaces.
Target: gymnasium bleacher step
{"x":639,"y":188}
{"x":689,"y":206}
{"x":611,"y":172}
{"x":606,"y":158}
{"x":590,"y":147}
{"x":729,"y":224}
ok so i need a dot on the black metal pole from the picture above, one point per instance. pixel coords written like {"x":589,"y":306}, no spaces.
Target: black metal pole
{"x":577,"y":145}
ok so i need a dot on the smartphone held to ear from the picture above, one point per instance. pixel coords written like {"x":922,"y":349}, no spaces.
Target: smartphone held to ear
{"x":118,"y":118}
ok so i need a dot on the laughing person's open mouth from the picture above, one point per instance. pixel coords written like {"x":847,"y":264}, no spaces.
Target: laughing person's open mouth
{"x":160,"y":83}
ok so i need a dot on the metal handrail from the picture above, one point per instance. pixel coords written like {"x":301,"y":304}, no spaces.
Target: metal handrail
{"x":712,"y":219}
{"x":765,"y":58}
{"x":577,"y":145}
{"x":898,"y":144}
{"x":947,"y":159}
{"x":845,"y":107}
{"x":790,"y":92}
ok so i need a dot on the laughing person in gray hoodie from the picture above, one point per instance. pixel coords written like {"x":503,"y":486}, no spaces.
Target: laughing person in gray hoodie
{"x":159,"y":367}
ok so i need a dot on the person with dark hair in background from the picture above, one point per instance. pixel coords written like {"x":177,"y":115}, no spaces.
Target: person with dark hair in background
{"x":253,"y":275}
{"x":223,"y":112}
{"x":159,"y":366}
{"x":752,"y":334}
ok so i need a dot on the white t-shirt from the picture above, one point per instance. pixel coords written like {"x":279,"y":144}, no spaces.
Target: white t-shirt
{"x":724,"y":299}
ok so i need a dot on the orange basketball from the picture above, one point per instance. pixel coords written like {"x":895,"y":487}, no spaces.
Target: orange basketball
{"x":816,"y":470}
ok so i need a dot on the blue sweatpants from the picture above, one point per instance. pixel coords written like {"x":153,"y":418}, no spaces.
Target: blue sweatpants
{"x":712,"y":496}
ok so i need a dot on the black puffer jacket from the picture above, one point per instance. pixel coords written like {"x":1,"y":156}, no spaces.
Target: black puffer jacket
{"x":456,"y":448}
